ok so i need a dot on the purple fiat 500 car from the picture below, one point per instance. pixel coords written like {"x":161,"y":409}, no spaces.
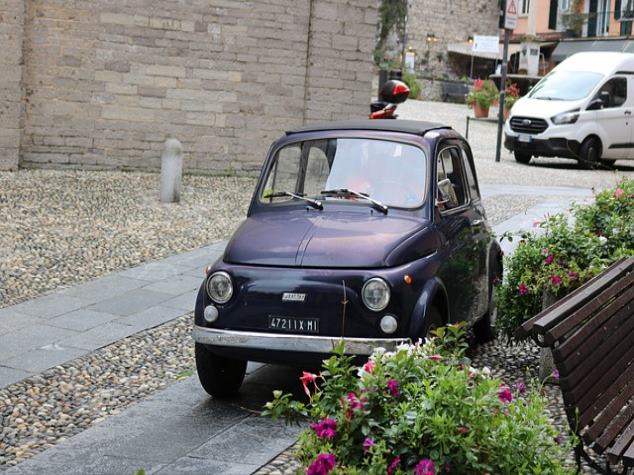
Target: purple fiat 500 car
{"x":371,"y":230}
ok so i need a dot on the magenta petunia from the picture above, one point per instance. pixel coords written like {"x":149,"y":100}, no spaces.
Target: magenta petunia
{"x":555,"y":374}
{"x":322,"y":465}
{"x":425,"y":467}
{"x":396,"y":461}
{"x":307,"y":378}
{"x":505,"y":394}
{"x":392,"y":386}
{"x":549,"y":259}
{"x":353,"y":401}
{"x":325,"y":428}
{"x":368,"y":442}
{"x":522,"y":289}
{"x":555,"y":279}
{"x":368,"y":367}
{"x":520,"y":387}
{"x":573,"y":275}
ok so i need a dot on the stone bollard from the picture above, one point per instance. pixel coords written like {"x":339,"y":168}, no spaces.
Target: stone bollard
{"x":171,"y":171}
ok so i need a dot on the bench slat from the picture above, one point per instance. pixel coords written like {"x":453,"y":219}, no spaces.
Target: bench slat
{"x":616,"y":427}
{"x":626,"y":438}
{"x":589,"y":354}
{"x":579,"y":315}
{"x":628,"y":455}
{"x":575,"y":349}
{"x":606,"y":427}
{"x":546,"y":319}
{"x":609,"y":394}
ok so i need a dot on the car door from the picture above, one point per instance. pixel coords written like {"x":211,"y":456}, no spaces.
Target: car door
{"x":456,"y":220}
{"x":615,"y":117}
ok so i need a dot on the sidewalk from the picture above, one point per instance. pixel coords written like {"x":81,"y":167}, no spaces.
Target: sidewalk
{"x":47,"y":331}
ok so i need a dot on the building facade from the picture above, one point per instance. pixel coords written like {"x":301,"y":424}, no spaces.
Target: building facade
{"x":103,"y":83}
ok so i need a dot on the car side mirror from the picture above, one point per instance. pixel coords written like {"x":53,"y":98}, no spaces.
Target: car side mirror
{"x":447,"y":195}
{"x":596,"y":104}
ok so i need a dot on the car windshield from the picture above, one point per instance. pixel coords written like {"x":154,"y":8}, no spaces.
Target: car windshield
{"x":392,"y":173}
{"x":565,"y":86}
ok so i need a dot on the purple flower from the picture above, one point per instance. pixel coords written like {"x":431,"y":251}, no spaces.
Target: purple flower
{"x":353,"y":401}
{"x":560,"y":439}
{"x":392,"y":386}
{"x":425,"y":467}
{"x":520,"y":387}
{"x":322,"y":465}
{"x":325,"y":428}
{"x":555,"y":374}
{"x":505,"y":394}
{"x":367,"y":443}
{"x":549,"y":259}
{"x":522,"y":289}
{"x":396,"y":461}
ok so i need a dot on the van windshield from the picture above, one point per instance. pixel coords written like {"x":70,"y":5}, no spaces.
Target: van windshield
{"x":565,"y":86}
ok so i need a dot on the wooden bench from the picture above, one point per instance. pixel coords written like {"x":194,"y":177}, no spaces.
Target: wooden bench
{"x":591,"y":333}
{"x":454,"y":90}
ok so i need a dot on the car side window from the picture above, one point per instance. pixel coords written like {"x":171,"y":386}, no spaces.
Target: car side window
{"x":470,"y":173}
{"x":613,"y":92}
{"x":451,"y":184}
{"x":283,"y":176}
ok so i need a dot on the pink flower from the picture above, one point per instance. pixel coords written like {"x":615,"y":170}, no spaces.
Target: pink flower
{"x":573,"y":275}
{"x":425,"y":467}
{"x":367,"y":443}
{"x":368,"y":367}
{"x":520,"y":387}
{"x":396,"y":461}
{"x":392,"y":386}
{"x":505,"y":394}
{"x":325,"y":428}
{"x":462,"y":430}
{"x":436,"y":357}
{"x":556,"y":280}
{"x":522,"y":289}
{"x":549,"y":259}
{"x":619,"y":193}
{"x":555,"y":374}
{"x":353,"y":401}
{"x":322,"y":465}
{"x":545,"y":251}
{"x":536,"y":222}
{"x":307,"y":378}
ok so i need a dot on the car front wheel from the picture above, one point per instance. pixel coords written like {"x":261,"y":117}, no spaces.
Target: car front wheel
{"x":522,"y":157}
{"x":220,"y":377}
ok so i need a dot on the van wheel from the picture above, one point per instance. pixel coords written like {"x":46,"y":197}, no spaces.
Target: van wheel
{"x":589,"y":153}
{"x":220,"y":377}
{"x":522,"y":157}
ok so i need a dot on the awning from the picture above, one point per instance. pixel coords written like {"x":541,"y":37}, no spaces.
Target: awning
{"x":465,"y":48}
{"x":570,"y":47}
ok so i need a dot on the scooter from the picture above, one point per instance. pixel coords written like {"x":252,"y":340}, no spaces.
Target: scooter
{"x":393,"y":92}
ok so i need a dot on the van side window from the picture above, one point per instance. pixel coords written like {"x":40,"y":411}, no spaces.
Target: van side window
{"x":613,"y":92}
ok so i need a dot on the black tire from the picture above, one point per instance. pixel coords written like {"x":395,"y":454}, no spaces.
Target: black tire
{"x":522,"y":157}
{"x":589,"y":153}
{"x":433,"y":320}
{"x":220,"y":377}
{"x":483,"y":330}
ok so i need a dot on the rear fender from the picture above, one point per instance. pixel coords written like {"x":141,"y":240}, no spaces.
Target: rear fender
{"x":434,"y":291}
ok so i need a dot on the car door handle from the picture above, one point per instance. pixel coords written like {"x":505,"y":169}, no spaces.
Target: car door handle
{"x":628,"y":112}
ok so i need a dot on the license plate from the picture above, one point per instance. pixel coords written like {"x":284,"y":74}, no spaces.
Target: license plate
{"x":294,"y":325}
{"x":524,"y":138}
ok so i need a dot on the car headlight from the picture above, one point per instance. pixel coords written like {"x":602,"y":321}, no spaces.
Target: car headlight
{"x":569,"y":117}
{"x":375,"y":294}
{"x":219,"y":287}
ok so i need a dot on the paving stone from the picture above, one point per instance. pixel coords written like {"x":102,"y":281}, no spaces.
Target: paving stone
{"x":40,"y":359}
{"x":176,"y":285}
{"x":82,"y":319}
{"x":99,"y":336}
{"x":11,"y":319}
{"x":51,"y":305}
{"x":186,"y":302}
{"x":11,"y":375}
{"x":21,"y":341}
{"x":104,"y":287}
{"x":107,"y":465}
{"x":151,"y":317}
{"x":200,"y":466}
{"x":131,"y":302}
{"x":154,"y":271}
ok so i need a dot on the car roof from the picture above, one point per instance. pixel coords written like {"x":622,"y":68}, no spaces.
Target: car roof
{"x":416,"y":127}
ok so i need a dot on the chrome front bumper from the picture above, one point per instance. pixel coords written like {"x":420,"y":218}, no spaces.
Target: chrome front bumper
{"x":299,"y":343}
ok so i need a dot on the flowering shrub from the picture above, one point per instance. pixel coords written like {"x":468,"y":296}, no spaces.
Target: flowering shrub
{"x":420,"y":410}
{"x":566,"y":255}
{"x":483,"y":92}
{"x":511,"y":96}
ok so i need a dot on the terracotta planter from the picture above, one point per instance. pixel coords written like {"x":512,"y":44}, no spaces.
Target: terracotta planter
{"x":480,"y":112}
{"x":507,"y":112}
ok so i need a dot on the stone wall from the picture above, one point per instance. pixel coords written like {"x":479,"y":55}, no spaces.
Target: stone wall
{"x":11,"y":106}
{"x":450,"y":21}
{"x":106,"y":82}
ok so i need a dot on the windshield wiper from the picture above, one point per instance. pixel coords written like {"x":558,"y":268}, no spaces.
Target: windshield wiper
{"x":548,"y":98}
{"x":279,"y":194}
{"x":347,"y":193}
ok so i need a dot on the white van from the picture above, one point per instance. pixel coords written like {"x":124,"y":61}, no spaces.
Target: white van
{"x":582,"y":110}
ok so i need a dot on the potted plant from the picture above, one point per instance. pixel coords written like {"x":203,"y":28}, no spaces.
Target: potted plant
{"x":481,"y":97}
{"x":512,"y":95}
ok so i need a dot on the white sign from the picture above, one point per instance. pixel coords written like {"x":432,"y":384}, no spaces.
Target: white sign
{"x":510,"y":18}
{"x":410,"y":60}
{"x":486,"y":44}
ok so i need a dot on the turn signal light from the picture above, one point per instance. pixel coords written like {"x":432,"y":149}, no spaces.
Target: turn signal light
{"x":407,"y":279}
